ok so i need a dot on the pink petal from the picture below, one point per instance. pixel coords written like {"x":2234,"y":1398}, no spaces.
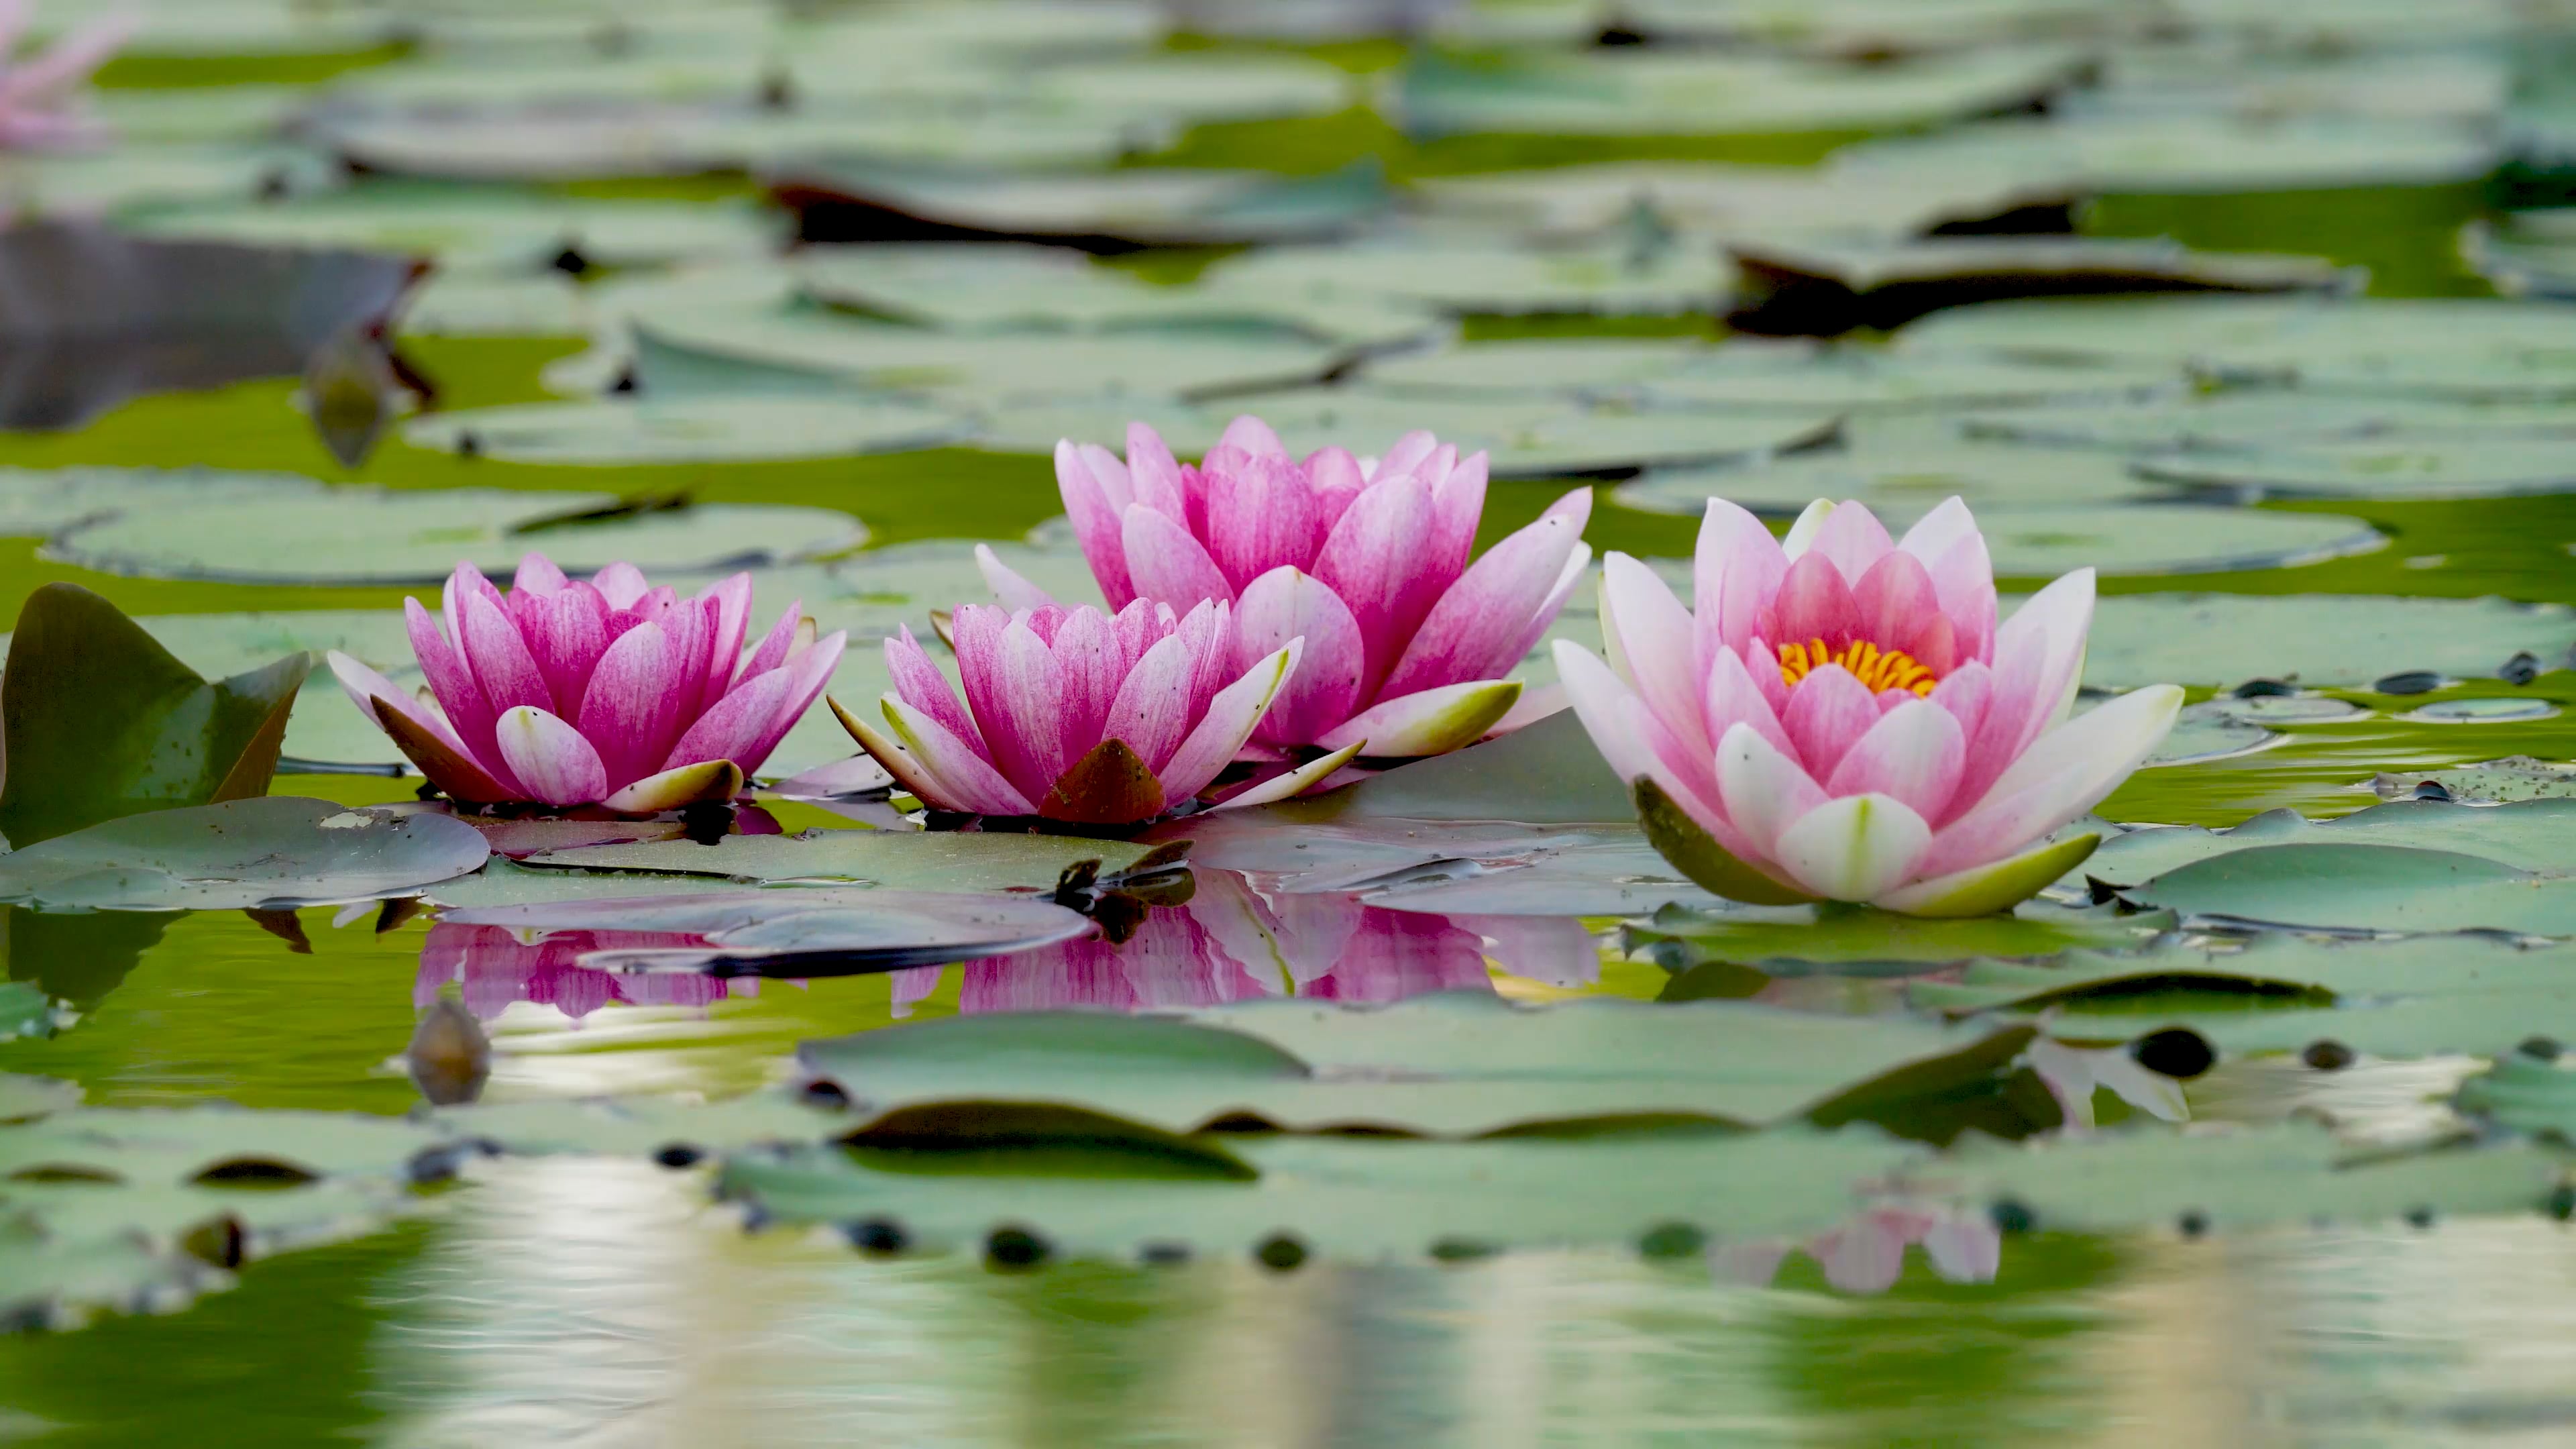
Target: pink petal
{"x":1167,"y":564}
{"x":1457,"y":510}
{"x":1828,"y":712}
{"x":1208,"y":632}
{"x":1853,"y":539}
{"x":564,"y":635}
{"x":1088,"y":658}
{"x":1285,"y":604}
{"x":809,"y":671}
{"x":1600,"y":698}
{"x":775,"y":645}
{"x":1735,"y":573}
{"x":1017,"y":692}
{"x":1265,"y":518}
{"x":1230,"y":720}
{"x":1010,"y":587}
{"x":965,"y":782}
{"x":629,"y":707}
{"x":1814,"y":603}
{"x":1151,"y":711}
{"x":1648,"y":634}
{"x":1335,"y":477}
{"x":622,"y":584}
{"x":1763,"y":791}
{"x":1253,"y":436}
{"x":1427,"y":721}
{"x":1915,"y":754}
{"x":2068,"y":772}
{"x":2038,"y":654}
{"x":470,"y":779}
{"x":1954,"y":553}
{"x":1374,"y":559}
{"x":736,"y":724}
{"x":1898,"y":610}
{"x":1407,"y":454}
{"x":1477,"y":628}
{"x":1736,"y":697}
{"x":732,"y":620}
{"x":538,"y":574}
{"x":499,"y":658}
{"x":550,"y":757}
{"x":923,"y":687}
{"x":1094,"y":502}
{"x":468,"y":712}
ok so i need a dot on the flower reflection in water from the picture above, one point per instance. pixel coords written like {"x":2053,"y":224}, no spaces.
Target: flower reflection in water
{"x":493,"y":967}
{"x":1233,"y":941}
{"x":1867,"y":1254}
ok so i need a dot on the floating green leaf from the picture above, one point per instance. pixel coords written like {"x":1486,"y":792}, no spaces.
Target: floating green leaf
{"x":1457,"y":1065}
{"x":101,"y":721}
{"x":899,"y":860}
{"x":1796,"y":940}
{"x":1349,"y":1199}
{"x":366,"y":535}
{"x":270,"y":853}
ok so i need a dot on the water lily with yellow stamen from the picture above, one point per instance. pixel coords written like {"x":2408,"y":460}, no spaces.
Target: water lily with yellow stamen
{"x":1899,"y":750}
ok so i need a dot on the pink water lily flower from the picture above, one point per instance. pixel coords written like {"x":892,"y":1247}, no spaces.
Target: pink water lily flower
{"x":1406,"y":642}
{"x":40,"y":95}
{"x":600,"y":691}
{"x":1843,"y":720}
{"x":1077,"y":715}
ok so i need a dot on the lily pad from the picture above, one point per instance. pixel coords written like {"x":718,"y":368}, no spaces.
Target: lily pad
{"x":270,"y":853}
{"x":896,"y":860}
{"x":1903,"y":473}
{"x":1657,"y":92}
{"x":138,"y":1210}
{"x":2532,"y":835}
{"x":702,"y":430}
{"x":1462,"y":275}
{"x":470,"y":228}
{"x":1447,"y":1065}
{"x":506,"y":137}
{"x":2339,"y":641}
{"x":2359,"y":887}
{"x":2180,"y":154}
{"x":1103,"y":212}
{"x":2465,"y":466}
{"x":1825,"y":289}
{"x":796,"y":933}
{"x":367,"y":535}
{"x":1745,"y":372}
{"x":1702,"y":198}
{"x":102,"y":722}
{"x":684,"y":352}
{"x":2293,"y":1173}
{"x":2417,"y":997}
{"x":1004,"y":287}
{"x":2526,"y":1094}
{"x":1352,"y":1199}
{"x":2459,"y":349}
{"x":1791,"y":940}
{"x":2517,"y":777}
{"x":1524,"y":440}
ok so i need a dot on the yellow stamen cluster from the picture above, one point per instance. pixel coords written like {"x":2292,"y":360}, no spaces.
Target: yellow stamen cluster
{"x":1880,"y":669}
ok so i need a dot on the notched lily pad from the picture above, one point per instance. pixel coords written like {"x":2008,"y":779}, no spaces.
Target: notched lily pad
{"x":2516,"y":777}
{"x":798,"y":933}
{"x":273,"y":852}
{"x":896,"y":860}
